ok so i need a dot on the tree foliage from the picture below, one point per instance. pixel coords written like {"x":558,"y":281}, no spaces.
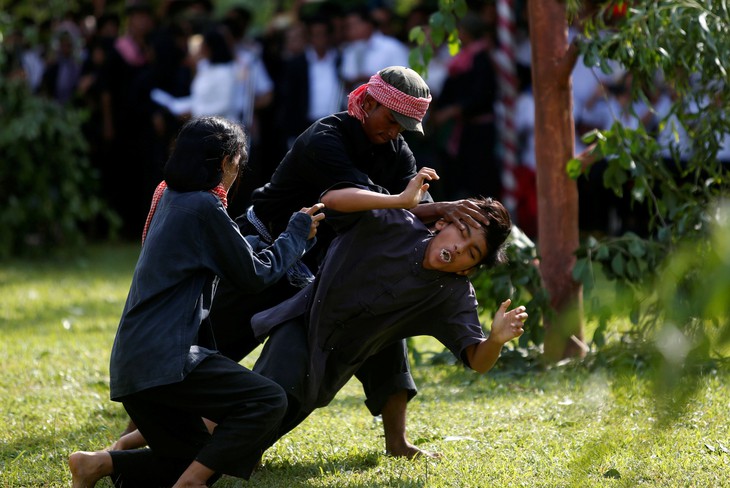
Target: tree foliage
{"x":661,"y":278}
{"x":441,"y":29}
{"x":48,"y":190}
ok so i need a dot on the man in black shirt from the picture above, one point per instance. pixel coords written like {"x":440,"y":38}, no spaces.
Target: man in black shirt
{"x":387,"y":276}
{"x":362,"y":146}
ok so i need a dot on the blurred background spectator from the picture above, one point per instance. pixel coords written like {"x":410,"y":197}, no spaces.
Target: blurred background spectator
{"x":279,"y":72}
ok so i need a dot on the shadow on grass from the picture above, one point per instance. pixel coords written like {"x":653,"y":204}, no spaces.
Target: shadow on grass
{"x":282,"y":472}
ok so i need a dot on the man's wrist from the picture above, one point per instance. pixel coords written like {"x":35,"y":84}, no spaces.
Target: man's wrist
{"x":493,"y":342}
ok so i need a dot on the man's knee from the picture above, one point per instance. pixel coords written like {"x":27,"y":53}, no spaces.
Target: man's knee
{"x":274,"y":400}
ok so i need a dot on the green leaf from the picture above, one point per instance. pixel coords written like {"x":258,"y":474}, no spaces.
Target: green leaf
{"x":460,"y":8}
{"x":599,"y":337}
{"x":617,"y":264}
{"x":454,"y":44}
{"x":449,"y":22}
{"x":602,"y":253}
{"x":574,"y":168}
{"x":436,"y":20}
{"x":582,"y":271}
{"x":632,"y":269}
{"x":637,"y":248}
{"x":438,"y":32}
{"x":417,"y":35}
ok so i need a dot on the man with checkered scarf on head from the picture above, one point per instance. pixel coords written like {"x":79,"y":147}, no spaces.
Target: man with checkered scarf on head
{"x":363,"y":146}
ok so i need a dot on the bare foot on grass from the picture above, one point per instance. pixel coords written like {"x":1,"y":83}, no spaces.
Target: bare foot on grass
{"x":410,"y":451}
{"x":89,"y":467}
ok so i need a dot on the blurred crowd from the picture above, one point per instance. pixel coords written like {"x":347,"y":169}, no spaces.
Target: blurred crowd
{"x":143,"y":72}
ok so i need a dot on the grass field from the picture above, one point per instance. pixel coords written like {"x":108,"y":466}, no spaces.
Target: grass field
{"x":561,"y":427}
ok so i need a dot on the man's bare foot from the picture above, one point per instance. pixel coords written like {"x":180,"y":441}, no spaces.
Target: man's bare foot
{"x":89,"y":467}
{"x":410,"y":451}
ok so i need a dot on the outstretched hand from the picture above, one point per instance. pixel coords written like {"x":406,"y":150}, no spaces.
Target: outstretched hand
{"x":316,"y":217}
{"x":417,"y":187}
{"x":507,"y":325}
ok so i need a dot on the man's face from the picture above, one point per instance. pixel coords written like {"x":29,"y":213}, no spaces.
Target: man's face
{"x":453,"y":250}
{"x":319,"y":37}
{"x":356,"y":28}
{"x":380,"y":126}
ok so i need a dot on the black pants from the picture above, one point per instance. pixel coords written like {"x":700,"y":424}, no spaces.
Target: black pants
{"x":247,"y":407}
{"x":381,"y":375}
{"x":286,"y":360}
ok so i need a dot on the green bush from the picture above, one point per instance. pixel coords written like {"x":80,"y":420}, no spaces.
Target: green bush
{"x":681,"y":197}
{"x":48,"y":189}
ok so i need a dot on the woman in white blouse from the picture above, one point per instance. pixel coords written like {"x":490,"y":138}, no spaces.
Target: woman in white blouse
{"x":213,"y":86}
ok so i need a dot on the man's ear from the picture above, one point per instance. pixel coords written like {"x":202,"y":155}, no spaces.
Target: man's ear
{"x":226,"y":163}
{"x":369,"y":103}
{"x":439,"y":225}
{"x":467,"y":272}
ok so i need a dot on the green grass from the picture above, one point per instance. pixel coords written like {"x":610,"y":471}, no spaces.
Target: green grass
{"x":554,"y":428}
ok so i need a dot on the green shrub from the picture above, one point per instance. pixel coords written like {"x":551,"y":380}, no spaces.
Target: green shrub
{"x":48,"y":189}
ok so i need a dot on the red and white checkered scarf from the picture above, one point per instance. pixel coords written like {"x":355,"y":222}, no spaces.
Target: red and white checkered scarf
{"x":218,"y":191}
{"x":388,"y":96}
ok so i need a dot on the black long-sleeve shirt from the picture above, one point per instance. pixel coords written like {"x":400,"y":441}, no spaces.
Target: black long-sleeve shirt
{"x":334,"y":149}
{"x":372,"y":290}
{"x":190,"y":244}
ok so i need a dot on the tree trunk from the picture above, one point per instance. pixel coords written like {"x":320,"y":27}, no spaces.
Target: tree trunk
{"x":552,"y":64}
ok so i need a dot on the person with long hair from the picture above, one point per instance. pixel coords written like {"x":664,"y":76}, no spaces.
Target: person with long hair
{"x":165,"y":379}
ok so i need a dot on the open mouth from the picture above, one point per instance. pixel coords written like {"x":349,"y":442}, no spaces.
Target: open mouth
{"x":445,"y":255}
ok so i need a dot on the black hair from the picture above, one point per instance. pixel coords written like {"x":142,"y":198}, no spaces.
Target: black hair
{"x":238,"y":19}
{"x":108,"y":18}
{"x":318,"y":18}
{"x":218,"y":47}
{"x":495,"y":231}
{"x":473,"y":25}
{"x":362,"y":11}
{"x":197,"y":157}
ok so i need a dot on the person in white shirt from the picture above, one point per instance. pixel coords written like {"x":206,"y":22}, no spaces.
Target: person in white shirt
{"x":368,"y":50}
{"x":214,"y":83}
{"x":212,"y":89}
{"x":254,"y":86}
{"x":326,"y":91}
{"x":310,"y":86}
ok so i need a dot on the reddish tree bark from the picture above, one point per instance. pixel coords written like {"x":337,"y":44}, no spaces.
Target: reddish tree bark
{"x":557,"y":194}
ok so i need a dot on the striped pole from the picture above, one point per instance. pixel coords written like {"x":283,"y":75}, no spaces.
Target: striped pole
{"x":508,"y":84}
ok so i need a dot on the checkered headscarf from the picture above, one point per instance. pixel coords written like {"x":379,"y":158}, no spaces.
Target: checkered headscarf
{"x":218,"y":191}
{"x":388,"y":96}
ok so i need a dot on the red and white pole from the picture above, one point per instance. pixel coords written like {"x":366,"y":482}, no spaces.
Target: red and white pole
{"x":509,"y":86}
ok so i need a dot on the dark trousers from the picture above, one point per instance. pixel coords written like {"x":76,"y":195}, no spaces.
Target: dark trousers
{"x":381,"y":375}
{"x":247,"y":407}
{"x":286,"y":359}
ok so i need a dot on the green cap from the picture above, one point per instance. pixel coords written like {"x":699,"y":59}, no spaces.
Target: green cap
{"x":410,"y":83}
